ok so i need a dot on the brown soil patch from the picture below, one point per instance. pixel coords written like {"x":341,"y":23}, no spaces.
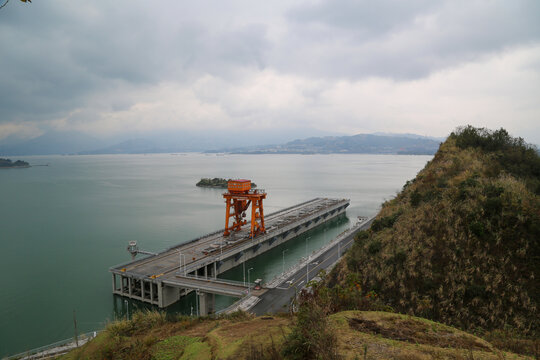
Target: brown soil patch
{"x":417,"y":332}
{"x":201,"y":329}
{"x":253,"y":328}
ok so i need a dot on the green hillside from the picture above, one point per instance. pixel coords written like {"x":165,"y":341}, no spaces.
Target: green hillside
{"x":460,"y":244}
{"x":356,"y":335}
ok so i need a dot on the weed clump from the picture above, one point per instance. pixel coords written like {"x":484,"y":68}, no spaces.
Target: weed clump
{"x":311,"y":336}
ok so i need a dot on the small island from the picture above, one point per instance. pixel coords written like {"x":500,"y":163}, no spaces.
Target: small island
{"x":8,"y":164}
{"x":217,"y":183}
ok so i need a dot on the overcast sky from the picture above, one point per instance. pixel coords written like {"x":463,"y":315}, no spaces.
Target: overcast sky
{"x":107,"y":67}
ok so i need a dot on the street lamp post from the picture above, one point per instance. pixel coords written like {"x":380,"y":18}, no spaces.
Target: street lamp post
{"x":249,"y":283}
{"x":307,"y":261}
{"x":184,"y":257}
{"x":284,"y":251}
{"x":244,"y":267}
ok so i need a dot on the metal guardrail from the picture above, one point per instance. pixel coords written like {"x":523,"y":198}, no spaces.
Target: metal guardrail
{"x":47,"y":351}
{"x":315,"y":253}
{"x":218,"y":280}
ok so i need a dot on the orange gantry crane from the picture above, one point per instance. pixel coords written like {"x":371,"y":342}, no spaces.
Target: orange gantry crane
{"x":238,"y":198}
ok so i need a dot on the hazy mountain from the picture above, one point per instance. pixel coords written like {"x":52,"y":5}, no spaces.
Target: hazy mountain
{"x":52,"y":143}
{"x":150,"y":142}
{"x":357,"y":144}
{"x":192,"y":141}
{"x":308,"y":141}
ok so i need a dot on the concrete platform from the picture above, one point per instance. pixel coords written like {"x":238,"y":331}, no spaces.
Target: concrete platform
{"x":157,"y":279}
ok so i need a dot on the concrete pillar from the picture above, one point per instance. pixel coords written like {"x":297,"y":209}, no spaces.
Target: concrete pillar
{"x":142,"y":289}
{"x":203,"y":308}
{"x":151,"y":292}
{"x":114,"y":282}
{"x":167,"y":295}
{"x":215,"y":270}
{"x":130,"y":286}
{"x":206,"y":303}
{"x":206,"y":272}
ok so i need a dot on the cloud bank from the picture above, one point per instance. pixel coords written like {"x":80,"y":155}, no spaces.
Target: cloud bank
{"x":425,"y":67}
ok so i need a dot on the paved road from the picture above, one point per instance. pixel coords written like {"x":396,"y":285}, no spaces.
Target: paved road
{"x":278,"y":299}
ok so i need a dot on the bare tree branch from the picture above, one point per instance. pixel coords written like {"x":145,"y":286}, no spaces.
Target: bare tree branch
{"x":4,"y":4}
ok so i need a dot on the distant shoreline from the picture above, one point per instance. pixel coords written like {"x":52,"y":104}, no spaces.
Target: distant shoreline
{"x":15,"y":167}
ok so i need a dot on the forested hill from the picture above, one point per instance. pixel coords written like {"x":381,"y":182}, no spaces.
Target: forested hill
{"x":460,"y":243}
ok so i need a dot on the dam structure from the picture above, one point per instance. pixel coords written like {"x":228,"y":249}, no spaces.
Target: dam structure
{"x":162,"y":279}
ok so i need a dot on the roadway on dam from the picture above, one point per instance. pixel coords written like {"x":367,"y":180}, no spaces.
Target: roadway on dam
{"x":278,"y":299}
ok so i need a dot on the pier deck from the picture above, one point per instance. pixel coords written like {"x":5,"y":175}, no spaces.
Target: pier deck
{"x":158,"y":279}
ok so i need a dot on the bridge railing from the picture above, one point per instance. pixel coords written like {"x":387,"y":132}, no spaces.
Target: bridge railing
{"x":54,"y":349}
{"x":218,"y":280}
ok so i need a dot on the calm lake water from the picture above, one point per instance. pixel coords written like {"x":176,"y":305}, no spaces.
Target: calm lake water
{"x":62,"y":226}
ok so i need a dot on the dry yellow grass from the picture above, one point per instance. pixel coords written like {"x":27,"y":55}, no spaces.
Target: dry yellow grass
{"x":361,"y":335}
{"x":379,"y":335}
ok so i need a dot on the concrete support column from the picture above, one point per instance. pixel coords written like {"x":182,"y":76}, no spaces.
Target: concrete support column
{"x":142,"y":289}
{"x":114,"y":282}
{"x":205,"y":271}
{"x":130,"y":286}
{"x":215,"y":270}
{"x":206,"y":303}
{"x":160,"y":295}
{"x":168,"y":295}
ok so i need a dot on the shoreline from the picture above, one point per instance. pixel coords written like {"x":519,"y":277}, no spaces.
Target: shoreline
{"x":212,"y":187}
{"x":15,"y":167}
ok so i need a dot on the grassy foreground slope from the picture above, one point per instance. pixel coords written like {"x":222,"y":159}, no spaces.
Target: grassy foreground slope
{"x":461,"y":243}
{"x":360,"y":335}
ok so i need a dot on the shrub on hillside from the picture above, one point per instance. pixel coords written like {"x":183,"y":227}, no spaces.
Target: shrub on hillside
{"x":311,"y":337}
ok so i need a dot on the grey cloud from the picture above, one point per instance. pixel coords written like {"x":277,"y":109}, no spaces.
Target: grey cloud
{"x":403,"y":40}
{"x":58,"y":56}
{"x":365,"y":18}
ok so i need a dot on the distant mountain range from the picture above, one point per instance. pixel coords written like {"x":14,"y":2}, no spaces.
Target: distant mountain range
{"x":151,"y":142}
{"x":356,"y":144}
{"x":226,"y":141}
{"x":52,"y":143}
